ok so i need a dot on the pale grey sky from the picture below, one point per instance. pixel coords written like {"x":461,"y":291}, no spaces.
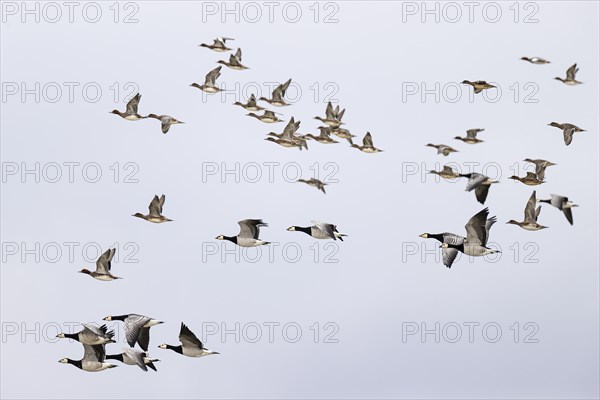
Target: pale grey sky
{"x":387,"y":280}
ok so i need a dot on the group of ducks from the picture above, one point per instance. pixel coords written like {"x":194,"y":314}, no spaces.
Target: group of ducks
{"x":137,"y":330}
{"x":478,"y":227}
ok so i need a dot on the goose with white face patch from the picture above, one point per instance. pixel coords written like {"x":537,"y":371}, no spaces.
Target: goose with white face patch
{"x":478,"y":232}
{"x":92,"y":361}
{"x":563,"y":204}
{"x":190,"y":345}
{"x":320,"y":230}
{"x":249,"y":232}
{"x":90,"y":335}
{"x":137,"y":328}
{"x":134,"y":357}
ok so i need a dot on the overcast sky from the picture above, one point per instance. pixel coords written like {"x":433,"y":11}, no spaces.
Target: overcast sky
{"x":396,"y":71}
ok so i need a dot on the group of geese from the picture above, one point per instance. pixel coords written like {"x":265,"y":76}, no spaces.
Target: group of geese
{"x":478,"y":227}
{"x":137,"y":330}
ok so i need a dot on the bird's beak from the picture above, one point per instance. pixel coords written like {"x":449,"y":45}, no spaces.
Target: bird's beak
{"x":422,"y":235}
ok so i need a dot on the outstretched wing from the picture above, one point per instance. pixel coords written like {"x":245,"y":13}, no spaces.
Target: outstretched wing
{"x":132,"y":105}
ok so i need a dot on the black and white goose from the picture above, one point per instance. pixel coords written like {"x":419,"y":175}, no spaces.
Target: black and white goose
{"x":480,"y":183}
{"x":249,"y":232}
{"x":131,"y":111}
{"x":190,"y":345}
{"x":568,"y":130}
{"x":210,"y":80}
{"x":90,"y":335}
{"x":563,"y":204}
{"x":92,"y":361}
{"x":478,"y":232}
{"x":137,"y":328}
{"x":134,"y":357}
{"x":448,"y":254}
{"x":320,"y":230}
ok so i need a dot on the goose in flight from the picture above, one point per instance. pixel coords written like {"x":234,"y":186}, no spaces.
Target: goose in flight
{"x":165,"y":121}
{"x":190,"y":345}
{"x":218,"y":44}
{"x":131,"y":111}
{"x":103,"y":265}
{"x":131,"y":356}
{"x":448,"y":254}
{"x":531,"y":179}
{"x":314,"y":183}
{"x":535,"y":60}
{"x":155,"y":211}
{"x":540,"y":166}
{"x":137,"y":328}
{"x":278,"y":95}
{"x":442,"y":149}
{"x":478,"y":86}
{"x":563,"y":204}
{"x":320,"y":230}
{"x":210,"y":79}
{"x":568,"y":130}
{"x":92,"y":361}
{"x":570,"y":79}
{"x":480,"y":183}
{"x":529,"y":222}
{"x":250,"y":105}
{"x":471,"y":137}
{"x":249,"y":232}
{"x":367,"y":146}
{"x":478,"y":232}
{"x":235,"y":61}
{"x":90,"y":335}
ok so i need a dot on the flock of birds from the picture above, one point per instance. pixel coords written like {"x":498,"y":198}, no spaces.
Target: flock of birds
{"x":137,"y":327}
{"x":478,"y":227}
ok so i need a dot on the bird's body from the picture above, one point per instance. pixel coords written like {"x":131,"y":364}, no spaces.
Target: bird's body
{"x":570,"y":79}
{"x":277,"y":97}
{"x":210,"y":85}
{"x":471,"y":137}
{"x":447,"y":173}
{"x":529,"y":222}
{"x":531,"y":179}
{"x":155,"y":211}
{"x":250,"y":105}
{"x":320,"y":230}
{"x":268,"y":117}
{"x":103,"y":266}
{"x":92,"y":361}
{"x":448,"y":254}
{"x":442,"y":148}
{"x":568,"y":130}
{"x":235,"y":61}
{"x":218,"y":45}
{"x":540,"y":167}
{"x":535,"y":60}
{"x":333,"y":118}
{"x":190,"y":345}
{"x":478,"y":86}
{"x":478,"y":231}
{"x":131,"y":112}
{"x":165,"y":121}
{"x":323,"y":137}
{"x":249,"y":232}
{"x":480,"y":183}
{"x":90,"y":335}
{"x":563,"y":204}
{"x":137,"y":328}
{"x":367,"y":146}
{"x":314,"y":183}
{"x":131,"y":356}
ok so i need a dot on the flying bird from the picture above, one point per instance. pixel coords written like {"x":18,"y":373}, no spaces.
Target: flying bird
{"x":103,"y":265}
{"x":131,"y":111}
{"x":155,"y":211}
{"x":570,"y":79}
{"x":529,"y":222}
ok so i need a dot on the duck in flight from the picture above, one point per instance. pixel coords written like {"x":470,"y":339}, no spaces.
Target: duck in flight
{"x":531,"y":179}
{"x":165,"y":121}
{"x":540,"y":166}
{"x":249,"y":232}
{"x":471,"y":137}
{"x":210,"y":85}
{"x":478,"y":86}
{"x":268,"y":117}
{"x":563,"y":204}
{"x":333,"y":118}
{"x":570,"y":79}
{"x":324,"y":137}
{"x":480,"y":183}
{"x":529,"y":222}
{"x":289,"y":131}
{"x":568,"y":130}
{"x":314,"y":183}
{"x":131,"y":110}
{"x":447,"y":173}
{"x":218,"y":44}
{"x":442,"y":149}
{"x":250,"y":105}
{"x":478,"y":232}
{"x":278,"y":95}
{"x":190,"y":345}
{"x":137,"y":328}
{"x":535,"y":60}
{"x":103,"y":265}
{"x":320,"y":230}
{"x":235,"y":61}
{"x":155,"y":211}
{"x":367,"y":146}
